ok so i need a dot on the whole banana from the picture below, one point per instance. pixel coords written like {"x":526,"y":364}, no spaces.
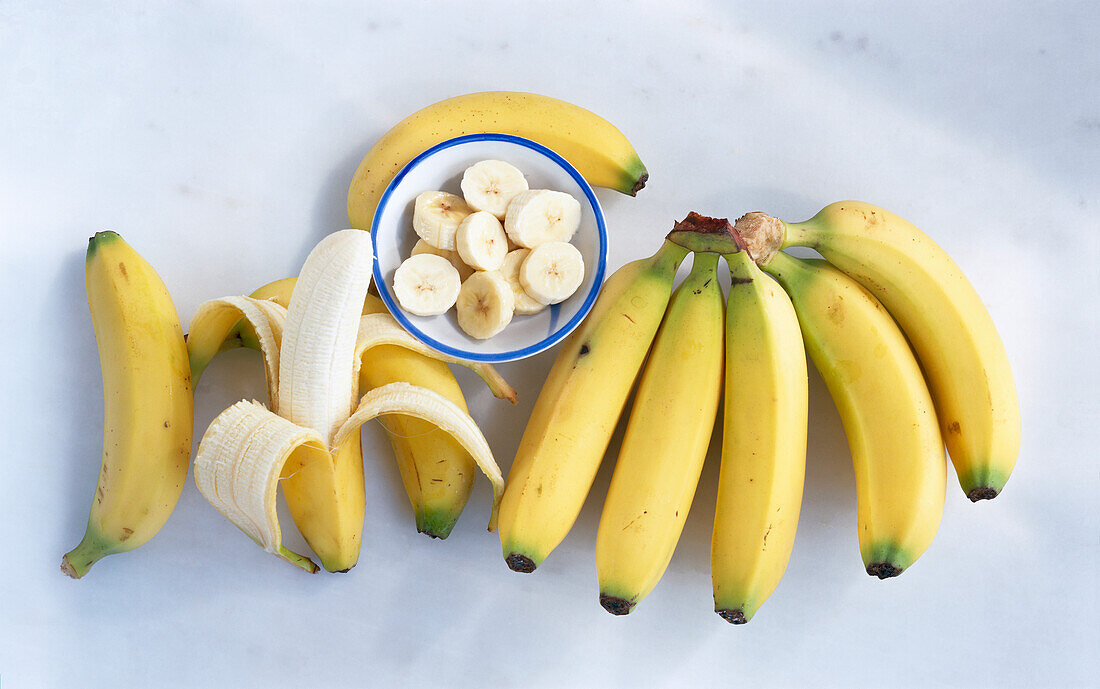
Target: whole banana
{"x":147,"y":403}
{"x":954,"y":337}
{"x":763,"y":443}
{"x":665,"y":443}
{"x":579,"y":406}
{"x":598,"y":150}
{"x":884,"y":404}
{"x":436,"y":471}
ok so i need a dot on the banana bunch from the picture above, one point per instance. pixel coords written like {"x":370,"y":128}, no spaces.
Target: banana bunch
{"x":895,"y":421}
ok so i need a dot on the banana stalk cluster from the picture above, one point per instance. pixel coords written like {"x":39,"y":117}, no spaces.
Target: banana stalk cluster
{"x":908,"y":352}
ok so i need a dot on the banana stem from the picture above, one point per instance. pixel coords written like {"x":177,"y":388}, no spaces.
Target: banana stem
{"x":92,"y":548}
{"x":703,"y":234}
{"x":763,"y":235}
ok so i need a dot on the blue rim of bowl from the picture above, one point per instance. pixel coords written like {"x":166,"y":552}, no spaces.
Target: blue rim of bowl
{"x":516,"y":354}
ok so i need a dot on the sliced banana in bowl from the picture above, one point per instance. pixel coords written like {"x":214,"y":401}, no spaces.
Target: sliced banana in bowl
{"x":526,"y":305}
{"x":481,"y":242}
{"x":436,"y":217}
{"x":426,"y":285}
{"x":485,"y":304}
{"x":490,"y":185}
{"x":537,"y":216}
{"x":552,"y":272}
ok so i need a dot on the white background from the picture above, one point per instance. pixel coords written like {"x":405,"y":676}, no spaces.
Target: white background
{"x":219,"y":139}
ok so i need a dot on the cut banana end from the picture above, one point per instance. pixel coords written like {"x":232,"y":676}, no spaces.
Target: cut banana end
{"x":382,"y":329}
{"x":552,"y":272}
{"x":430,"y":406}
{"x":525,"y":305}
{"x":426,"y":284}
{"x":481,"y":242}
{"x":422,"y":247}
{"x":538,"y":216}
{"x":237,"y":470}
{"x":491,"y":185}
{"x":436,"y":216}
{"x":485,"y":305}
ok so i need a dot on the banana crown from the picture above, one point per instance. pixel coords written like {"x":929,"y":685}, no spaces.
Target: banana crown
{"x":312,"y":352}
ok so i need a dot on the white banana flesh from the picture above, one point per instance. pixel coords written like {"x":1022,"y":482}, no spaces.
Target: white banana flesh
{"x":426,"y":285}
{"x":436,"y":217}
{"x":422,"y":247}
{"x":481,"y":242}
{"x":538,"y":216}
{"x":525,"y":305}
{"x":552,"y":272}
{"x":490,"y":185}
{"x":485,"y":305}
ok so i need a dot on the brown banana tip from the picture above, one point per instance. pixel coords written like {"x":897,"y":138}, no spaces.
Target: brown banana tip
{"x":640,"y":184}
{"x":520,"y":563}
{"x":983,"y":493}
{"x":616,"y":605}
{"x":67,"y":568}
{"x":883,"y":570}
{"x":702,"y":224}
{"x":732,"y":616}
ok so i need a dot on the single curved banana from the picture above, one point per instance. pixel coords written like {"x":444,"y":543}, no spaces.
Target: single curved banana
{"x":763,"y":443}
{"x":665,"y":443}
{"x":955,"y":339}
{"x":592,"y":144}
{"x":578,"y":407}
{"x":884,"y":404}
{"x":436,"y":471}
{"x":148,"y":406}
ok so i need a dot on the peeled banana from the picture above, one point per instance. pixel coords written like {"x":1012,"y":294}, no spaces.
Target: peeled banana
{"x":147,"y":401}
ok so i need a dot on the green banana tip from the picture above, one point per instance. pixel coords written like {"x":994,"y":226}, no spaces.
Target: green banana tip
{"x":100,"y":238}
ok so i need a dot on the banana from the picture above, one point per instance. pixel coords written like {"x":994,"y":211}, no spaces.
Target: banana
{"x":665,"y":443}
{"x":490,"y":185}
{"x":592,"y":144}
{"x":147,"y":403}
{"x":954,"y":337}
{"x":485,"y":305}
{"x":552,"y":272}
{"x":426,"y":285}
{"x":525,"y":305}
{"x":436,"y":471}
{"x":481,"y":242}
{"x":884,"y":404}
{"x":579,"y":406}
{"x":763,"y":443}
{"x":538,"y":216}
{"x":309,"y":441}
{"x":422,"y":247}
{"x":436,"y":216}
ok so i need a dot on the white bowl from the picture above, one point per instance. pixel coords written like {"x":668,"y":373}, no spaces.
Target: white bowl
{"x":440,"y":168}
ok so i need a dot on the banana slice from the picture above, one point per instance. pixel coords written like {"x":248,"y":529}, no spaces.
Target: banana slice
{"x":426,"y":284}
{"x":485,"y":305}
{"x":525,"y":305}
{"x":541,"y":215}
{"x":481,"y":242}
{"x":552,"y":272}
{"x":422,"y":247}
{"x":490,"y":186}
{"x":436,"y":215}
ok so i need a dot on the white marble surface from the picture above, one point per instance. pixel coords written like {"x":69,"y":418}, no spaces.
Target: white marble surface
{"x":219,"y":138}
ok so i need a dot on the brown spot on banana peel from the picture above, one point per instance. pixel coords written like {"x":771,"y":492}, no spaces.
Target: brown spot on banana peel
{"x":762,"y":234}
